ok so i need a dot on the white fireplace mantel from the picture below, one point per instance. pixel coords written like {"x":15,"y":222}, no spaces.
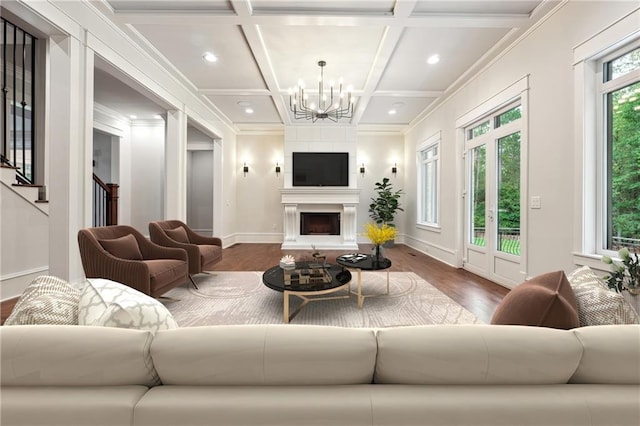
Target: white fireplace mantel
{"x":329,"y":199}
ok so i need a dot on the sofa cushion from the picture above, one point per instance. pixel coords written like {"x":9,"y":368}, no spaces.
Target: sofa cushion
{"x":69,"y":355}
{"x":476,"y":355}
{"x":125,"y":247}
{"x":178,"y":234}
{"x":70,"y":405}
{"x":264,"y":355}
{"x":546,"y":300}
{"x":47,"y":300}
{"x":111,"y":304}
{"x":257,"y":405}
{"x":166,"y":271}
{"x":209,"y":253}
{"x":611,"y":355}
{"x":597,"y":304}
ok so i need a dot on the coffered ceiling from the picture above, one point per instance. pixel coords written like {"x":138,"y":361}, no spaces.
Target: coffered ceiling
{"x":380,"y":47}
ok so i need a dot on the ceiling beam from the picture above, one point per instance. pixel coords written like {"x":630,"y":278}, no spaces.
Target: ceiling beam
{"x":257,"y":46}
{"x":431,"y":21}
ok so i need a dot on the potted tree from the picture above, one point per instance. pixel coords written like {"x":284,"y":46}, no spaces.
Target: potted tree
{"x":384,"y":207}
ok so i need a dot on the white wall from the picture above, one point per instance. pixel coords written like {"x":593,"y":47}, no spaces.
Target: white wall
{"x":379,"y":153}
{"x":260,"y":211}
{"x":200,"y":175}
{"x":102,"y":156}
{"x":546,"y":55}
{"x":24,"y":250}
{"x":147,"y":174}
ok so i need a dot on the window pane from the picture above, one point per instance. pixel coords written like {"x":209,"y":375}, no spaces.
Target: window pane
{"x":509,"y":116}
{"x":430,"y":179}
{"x":479,"y":130}
{"x":623,"y":65}
{"x":623,"y":145}
{"x":478,"y":206}
{"x":429,"y":175}
{"x":509,"y":194}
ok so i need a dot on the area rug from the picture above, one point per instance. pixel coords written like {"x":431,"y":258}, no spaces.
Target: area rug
{"x":241,"y":298}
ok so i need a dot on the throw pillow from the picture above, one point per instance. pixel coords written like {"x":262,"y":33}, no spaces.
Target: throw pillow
{"x":47,"y":300}
{"x":178,"y":234}
{"x":597,"y":304}
{"x":546,"y":300}
{"x":108,"y":303}
{"x":124,"y":247}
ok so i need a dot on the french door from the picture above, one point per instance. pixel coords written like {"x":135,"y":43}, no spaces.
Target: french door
{"x":494,"y":197}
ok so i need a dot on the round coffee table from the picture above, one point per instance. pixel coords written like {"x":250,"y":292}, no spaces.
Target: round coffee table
{"x":364,"y":262}
{"x":308,"y":281}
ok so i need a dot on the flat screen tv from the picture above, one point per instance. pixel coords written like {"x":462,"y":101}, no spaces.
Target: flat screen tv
{"x":320,"y":169}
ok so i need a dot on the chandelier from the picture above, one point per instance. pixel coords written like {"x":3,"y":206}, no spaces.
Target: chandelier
{"x":333,"y":104}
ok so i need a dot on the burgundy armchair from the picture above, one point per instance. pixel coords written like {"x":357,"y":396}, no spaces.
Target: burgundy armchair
{"x":204,"y":252}
{"x":121,"y":253}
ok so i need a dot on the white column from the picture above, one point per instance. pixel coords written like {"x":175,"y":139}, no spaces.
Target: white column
{"x":70,"y":118}
{"x":175,"y":195}
{"x":290,"y":223}
{"x":218,"y":202}
{"x":349,"y":224}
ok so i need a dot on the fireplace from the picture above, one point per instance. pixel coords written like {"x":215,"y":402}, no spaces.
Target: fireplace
{"x":319,"y":223}
{"x":328,"y":214}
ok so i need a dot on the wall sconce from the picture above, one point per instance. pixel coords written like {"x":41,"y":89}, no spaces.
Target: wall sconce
{"x":277,"y":169}
{"x":394,"y":169}
{"x":362,"y":169}
{"x":245,"y":169}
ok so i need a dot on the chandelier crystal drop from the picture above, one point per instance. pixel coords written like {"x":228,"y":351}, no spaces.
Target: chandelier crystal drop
{"x":334,"y":104}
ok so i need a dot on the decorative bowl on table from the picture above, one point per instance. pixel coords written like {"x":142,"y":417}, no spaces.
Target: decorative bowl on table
{"x":288,"y":262}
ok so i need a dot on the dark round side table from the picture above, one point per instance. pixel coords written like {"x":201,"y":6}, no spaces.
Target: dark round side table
{"x":364,"y":262}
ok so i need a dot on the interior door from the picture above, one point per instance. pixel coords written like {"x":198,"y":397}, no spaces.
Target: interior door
{"x":493,"y":195}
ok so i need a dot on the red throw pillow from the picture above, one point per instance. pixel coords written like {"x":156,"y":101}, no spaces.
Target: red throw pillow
{"x":546,"y":300}
{"x":178,"y":234}
{"x":124,"y":247}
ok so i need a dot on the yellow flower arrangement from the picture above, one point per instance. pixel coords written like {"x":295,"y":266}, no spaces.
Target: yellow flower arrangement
{"x":379,"y":234}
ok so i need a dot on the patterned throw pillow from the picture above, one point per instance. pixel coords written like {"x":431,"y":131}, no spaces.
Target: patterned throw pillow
{"x":47,"y":300}
{"x":108,"y":303}
{"x":597,"y":305}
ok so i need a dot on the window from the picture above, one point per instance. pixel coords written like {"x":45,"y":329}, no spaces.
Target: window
{"x":429,"y":181}
{"x":619,"y":140}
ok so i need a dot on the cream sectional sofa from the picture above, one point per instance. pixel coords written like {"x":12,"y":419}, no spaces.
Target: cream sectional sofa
{"x":312,"y":375}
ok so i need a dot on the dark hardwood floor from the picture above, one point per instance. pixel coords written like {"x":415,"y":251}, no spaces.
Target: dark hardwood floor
{"x":477,"y":294}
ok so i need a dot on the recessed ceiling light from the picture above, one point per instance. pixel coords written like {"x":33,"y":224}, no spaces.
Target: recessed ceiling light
{"x":249,"y":111}
{"x":433,"y":59}
{"x":133,"y":117}
{"x":244,"y":103}
{"x":210,"y":57}
{"x":392,"y":112}
{"x":397,"y":105}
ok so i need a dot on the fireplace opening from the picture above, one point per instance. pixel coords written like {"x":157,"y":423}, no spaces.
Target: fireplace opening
{"x":319,"y":223}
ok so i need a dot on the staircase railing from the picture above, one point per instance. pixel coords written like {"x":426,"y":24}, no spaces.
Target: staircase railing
{"x":18,"y":72}
{"x":105,"y":202}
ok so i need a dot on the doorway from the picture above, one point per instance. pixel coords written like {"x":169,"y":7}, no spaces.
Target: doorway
{"x":493,"y":246}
